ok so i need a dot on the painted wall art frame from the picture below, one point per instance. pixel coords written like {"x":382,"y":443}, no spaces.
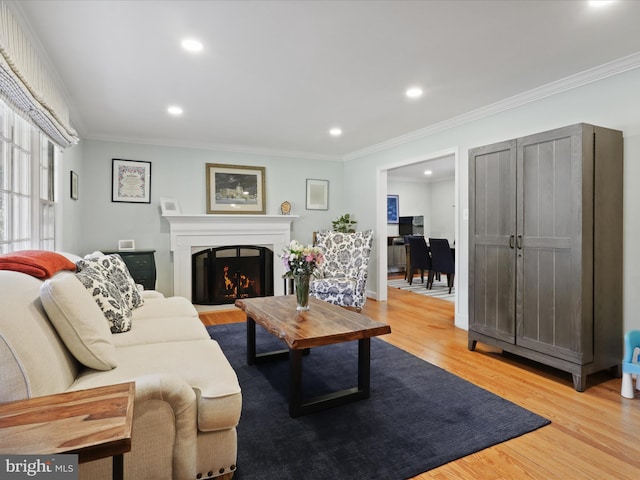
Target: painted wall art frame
{"x":393,"y":207}
{"x":74,"y":185}
{"x":130,"y":181}
{"x":317,"y":194}
{"x":235,"y":189}
{"x":169,"y":206}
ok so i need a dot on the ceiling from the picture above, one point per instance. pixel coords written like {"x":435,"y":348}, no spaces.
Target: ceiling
{"x":275,"y":76}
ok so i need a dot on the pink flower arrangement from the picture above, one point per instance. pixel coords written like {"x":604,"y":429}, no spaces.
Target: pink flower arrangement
{"x":301,"y":260}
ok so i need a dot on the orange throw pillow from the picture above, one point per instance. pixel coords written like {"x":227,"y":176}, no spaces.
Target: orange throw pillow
{"x":37,"y":263}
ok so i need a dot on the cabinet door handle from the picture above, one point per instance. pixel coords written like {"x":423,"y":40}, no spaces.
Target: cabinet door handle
{"x":511,"y":241}
{"x":519,"y":242}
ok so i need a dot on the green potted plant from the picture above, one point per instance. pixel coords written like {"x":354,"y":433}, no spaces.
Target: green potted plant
{"x":344,"y":224}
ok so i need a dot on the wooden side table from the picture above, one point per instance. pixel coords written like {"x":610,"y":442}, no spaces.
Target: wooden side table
{"x":93,"y":423}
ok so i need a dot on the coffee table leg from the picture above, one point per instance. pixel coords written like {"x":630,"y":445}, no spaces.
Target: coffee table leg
{"x":364,"y":367}
{"x":251,"y":341}
{"x":118,"y":467}
{"x":295,"y":382}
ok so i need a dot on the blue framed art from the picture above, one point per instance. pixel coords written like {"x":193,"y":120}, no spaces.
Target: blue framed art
{"x":392,"y":208}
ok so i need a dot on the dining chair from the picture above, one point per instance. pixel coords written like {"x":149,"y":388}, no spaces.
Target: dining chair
{"x":419,"y":259}
{"x":442,"y":259}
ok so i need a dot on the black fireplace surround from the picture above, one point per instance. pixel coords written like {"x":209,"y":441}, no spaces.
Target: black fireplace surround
{"x":223,"y":274}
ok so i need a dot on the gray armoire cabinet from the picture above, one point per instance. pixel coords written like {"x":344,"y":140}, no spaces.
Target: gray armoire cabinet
{"x":545,"y":248}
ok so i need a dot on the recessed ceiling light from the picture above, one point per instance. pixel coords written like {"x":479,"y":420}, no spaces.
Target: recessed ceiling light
{"x":174,"y":110}
{"x":428,"y":172}
{"x":414,"y":92}
{"x":335,"y":132}
{"x":192,"y":45}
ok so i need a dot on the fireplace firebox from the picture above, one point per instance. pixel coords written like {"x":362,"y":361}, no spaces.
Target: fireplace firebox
{"x":223,"y":274}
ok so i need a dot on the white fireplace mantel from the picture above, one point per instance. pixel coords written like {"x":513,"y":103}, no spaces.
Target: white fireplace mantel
{"x":189,"y":233}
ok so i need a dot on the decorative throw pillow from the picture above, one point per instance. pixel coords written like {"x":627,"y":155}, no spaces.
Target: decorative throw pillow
{"x":78,"y":321}
{"x":106,"y":293}
{"x":119,"y":274}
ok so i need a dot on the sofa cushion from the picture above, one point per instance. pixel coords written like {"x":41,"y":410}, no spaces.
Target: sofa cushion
{"x":78,"y":320}
{"x":165,"y":307}
{"x":106,"y":294}
{"x":201,"y":363}
{"x":161,"y":329}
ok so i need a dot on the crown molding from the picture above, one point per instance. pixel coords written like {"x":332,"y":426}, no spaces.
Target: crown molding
{"x":585,"y":77}
{"x":218,"y":147}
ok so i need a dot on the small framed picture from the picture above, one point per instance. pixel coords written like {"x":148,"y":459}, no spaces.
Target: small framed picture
{"x":235,"y":189}
{"x":130,"y":181}
{"x":392,"y":208}
{"x":317,"y":194}
{"x":126,"y":245}
{"x":74,"y":185}
{"x":169,"y":206}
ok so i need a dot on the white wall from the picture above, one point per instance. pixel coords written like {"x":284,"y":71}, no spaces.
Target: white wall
{"x":613,"y":102}
{"x":435,"y":201}
{"x":70,"y":211}
{"x":180,"y":173}
{"x":442,"y":210}
{"x":413,"y":200}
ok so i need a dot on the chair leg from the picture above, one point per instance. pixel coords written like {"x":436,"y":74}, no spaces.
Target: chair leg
{"x":627,"y":386}
{"x":410,"y":275}
{"x":429,"y":279}
{"x":450,"y":281}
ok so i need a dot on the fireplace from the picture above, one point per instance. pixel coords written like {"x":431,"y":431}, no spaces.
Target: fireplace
{"x":190,"y":234}
{"x":223,"y":274}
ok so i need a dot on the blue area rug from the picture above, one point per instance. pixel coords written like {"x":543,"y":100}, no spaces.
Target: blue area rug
{"x":417,"y":418}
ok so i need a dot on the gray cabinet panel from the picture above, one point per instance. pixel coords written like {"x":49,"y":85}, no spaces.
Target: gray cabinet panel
{"x":542,"y":246}
{"x":492,"y":211}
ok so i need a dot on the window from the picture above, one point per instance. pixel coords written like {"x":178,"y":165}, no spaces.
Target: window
{"x":27,"y":166}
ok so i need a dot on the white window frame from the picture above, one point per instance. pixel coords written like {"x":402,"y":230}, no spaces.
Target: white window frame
{"x":25,"y":153}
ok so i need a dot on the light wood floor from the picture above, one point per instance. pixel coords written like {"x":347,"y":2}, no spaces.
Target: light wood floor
{"x":593,"y":435}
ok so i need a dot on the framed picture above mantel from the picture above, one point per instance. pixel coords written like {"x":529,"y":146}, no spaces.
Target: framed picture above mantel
{"x":235,"y":189}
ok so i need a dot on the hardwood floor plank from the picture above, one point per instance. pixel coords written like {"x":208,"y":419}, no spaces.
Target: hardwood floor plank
{"x":593,"y":435}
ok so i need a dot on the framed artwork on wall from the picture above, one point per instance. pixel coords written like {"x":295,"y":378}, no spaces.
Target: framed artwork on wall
{"x":317,"y":194}
{"x":74,"y":185}
{"x":235,"y":189}
{"x":130,"y":181}
{"x":393,"y":208}
{"x":169,"y":206}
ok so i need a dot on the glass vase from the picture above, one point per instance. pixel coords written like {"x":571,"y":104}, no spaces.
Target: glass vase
{"x":301,"y":283}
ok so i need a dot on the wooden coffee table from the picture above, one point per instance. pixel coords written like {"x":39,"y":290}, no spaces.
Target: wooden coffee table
{"x":323,"y":324}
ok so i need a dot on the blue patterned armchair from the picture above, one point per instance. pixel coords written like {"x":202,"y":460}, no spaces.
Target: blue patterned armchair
{"x":342,"y":278}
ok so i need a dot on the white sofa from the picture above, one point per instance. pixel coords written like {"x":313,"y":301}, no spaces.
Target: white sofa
{"x":187,"y":397}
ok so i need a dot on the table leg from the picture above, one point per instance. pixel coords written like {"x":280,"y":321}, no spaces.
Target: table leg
{"x":118,"y":467}
{"x":299,"y":406}
{"x":364,"y":366}
{"x":295,"y":382}
{"x":251,"y":341}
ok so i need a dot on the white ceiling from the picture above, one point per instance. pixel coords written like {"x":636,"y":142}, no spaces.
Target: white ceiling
{"x":441,"y":168}
{"x":274,"y":76}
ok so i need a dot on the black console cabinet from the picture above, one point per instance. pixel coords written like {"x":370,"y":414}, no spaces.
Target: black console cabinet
{"x":141,"y":265}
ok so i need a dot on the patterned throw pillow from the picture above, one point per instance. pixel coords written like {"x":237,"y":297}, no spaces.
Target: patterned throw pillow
{"x":94,"y":275}
{"x":119,"y":273}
